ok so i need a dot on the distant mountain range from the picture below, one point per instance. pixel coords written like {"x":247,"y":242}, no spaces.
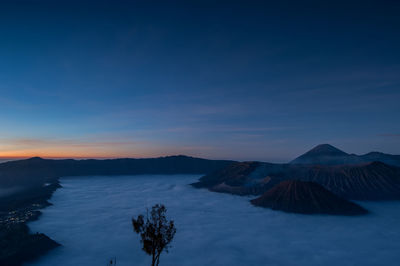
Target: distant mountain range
{"x":326,"y":154}
{"x":367,"y":181}
{"x":36,"y":171}
{"x":323,"y":180}
{"x":373,"y":176}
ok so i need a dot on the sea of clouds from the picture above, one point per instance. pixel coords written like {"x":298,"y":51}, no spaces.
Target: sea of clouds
{"x":91,"y":218}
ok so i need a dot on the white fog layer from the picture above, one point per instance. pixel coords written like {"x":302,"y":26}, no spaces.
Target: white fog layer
{"x":91,"y":218}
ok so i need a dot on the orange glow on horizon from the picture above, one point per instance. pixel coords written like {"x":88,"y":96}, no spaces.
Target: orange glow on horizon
{"x":75,"y":155}
{"x":80,"y":149}
{"x":27,"y":148}
{"x":90,"y":154}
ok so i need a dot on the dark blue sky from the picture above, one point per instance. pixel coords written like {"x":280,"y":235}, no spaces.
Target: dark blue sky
{"x":235,"y":80}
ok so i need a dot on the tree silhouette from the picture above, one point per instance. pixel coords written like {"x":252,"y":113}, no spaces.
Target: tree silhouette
{"x":156,"y":232}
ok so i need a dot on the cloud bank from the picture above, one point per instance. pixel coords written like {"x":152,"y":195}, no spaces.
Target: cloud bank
{"x":91,"y":219}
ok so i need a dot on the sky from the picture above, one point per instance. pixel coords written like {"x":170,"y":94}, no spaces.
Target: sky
{"x":215,"y":79}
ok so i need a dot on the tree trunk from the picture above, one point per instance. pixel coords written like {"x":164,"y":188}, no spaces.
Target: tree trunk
{"x":153,"y":260}
{"x":157,"y":259}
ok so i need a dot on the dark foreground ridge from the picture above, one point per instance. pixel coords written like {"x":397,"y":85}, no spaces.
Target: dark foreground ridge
{"x":17,"y":243}
{"x":306,"y":198}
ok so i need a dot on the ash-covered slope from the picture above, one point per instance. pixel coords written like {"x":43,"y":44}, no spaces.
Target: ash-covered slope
{"x":244,"y":178}
{"x":234,"y":175}
{"x":368,"y":181}
{"x":307,"y":198}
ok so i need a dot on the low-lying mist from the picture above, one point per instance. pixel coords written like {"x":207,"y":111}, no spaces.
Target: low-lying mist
{"x":91,"y":218}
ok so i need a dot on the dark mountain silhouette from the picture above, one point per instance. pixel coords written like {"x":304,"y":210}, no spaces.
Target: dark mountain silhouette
{"x":367,"y":181}
{"x":325,"y":154}
{"x":325,"y":149}
{"x":307,"y":198}
{"x":18,"y":245}
{"x":244,"y":178}
{"x":381,"y":157}
{"x":36,"y":171}
{"x":234,"y":174}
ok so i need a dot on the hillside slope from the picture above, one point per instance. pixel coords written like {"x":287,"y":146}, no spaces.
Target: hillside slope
{"x":368,"y":181}
{"x":307,"y":198}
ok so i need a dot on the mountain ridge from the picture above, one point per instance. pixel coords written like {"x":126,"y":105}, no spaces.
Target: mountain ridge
{"x":327,"y":154}
{"x":365,"y":181}
{"x":36,"y":170}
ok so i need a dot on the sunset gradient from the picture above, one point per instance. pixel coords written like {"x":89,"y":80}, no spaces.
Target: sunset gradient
{"x":260,"y":81}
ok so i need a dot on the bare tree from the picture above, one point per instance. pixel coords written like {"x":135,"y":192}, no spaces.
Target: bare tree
{"x":156,"y":232}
